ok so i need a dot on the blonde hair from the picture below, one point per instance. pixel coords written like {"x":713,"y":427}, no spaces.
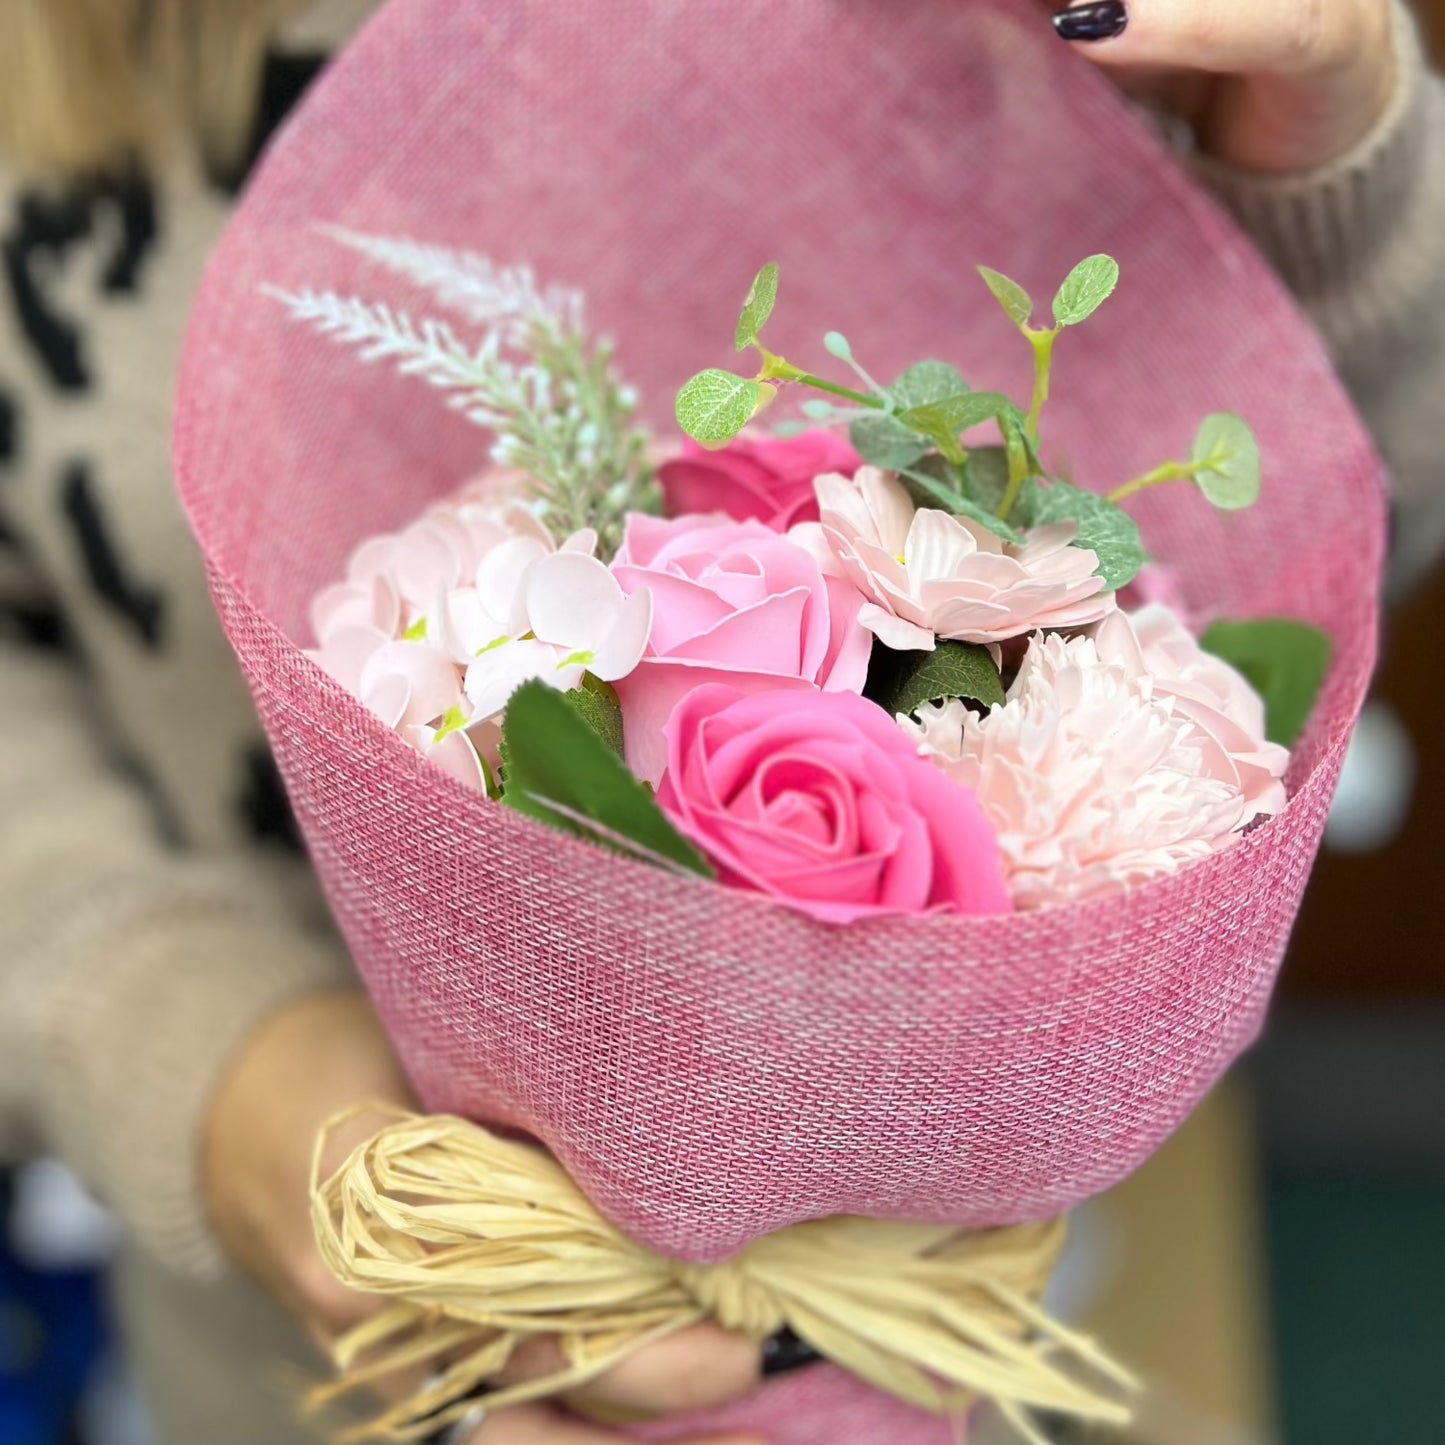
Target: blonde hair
{"x":86,"y":83}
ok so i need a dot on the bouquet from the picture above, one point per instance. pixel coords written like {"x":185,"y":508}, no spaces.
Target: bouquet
{"x":891,"y":677}
{"x":850,"y":1099}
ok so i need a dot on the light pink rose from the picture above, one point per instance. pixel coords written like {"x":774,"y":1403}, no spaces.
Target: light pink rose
{"x":765,"y":479}
{"x":820,"y":801}
{"x":735,"y":603}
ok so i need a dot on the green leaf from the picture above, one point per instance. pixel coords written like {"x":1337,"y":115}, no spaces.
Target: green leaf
{"x":1229,"y":453}
{"x":1085,"y":289}
{"x":985,"y":476}
{"x":925,"y":382}
{"x":1106,"y":530}
{"x":952,"y":669}
{"x":559,"y":771}
{"x":887,"y":442}
{"x":928,"y":490}
{"x":1283,"y":660}
{"x":952,"y":415}
{"x":762,"y":294}
{"x":1016,"y":302}
{"x":595,"y":702}
{"x":716,"y":405}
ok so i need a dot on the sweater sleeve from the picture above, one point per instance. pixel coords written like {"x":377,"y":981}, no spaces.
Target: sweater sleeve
{"x":129,"y":972}
{"x":1361,"y":242}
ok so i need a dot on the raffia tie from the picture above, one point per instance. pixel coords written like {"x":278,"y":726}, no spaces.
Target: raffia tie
{"x":484,"y":1243}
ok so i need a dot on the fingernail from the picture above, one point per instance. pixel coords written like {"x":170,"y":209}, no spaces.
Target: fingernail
{"x":785,"y":1352}
{"x":1099,"y":20}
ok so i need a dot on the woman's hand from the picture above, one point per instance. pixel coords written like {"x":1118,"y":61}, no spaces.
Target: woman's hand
{"x":317,"y":1058}
{"x":1278,"y":86}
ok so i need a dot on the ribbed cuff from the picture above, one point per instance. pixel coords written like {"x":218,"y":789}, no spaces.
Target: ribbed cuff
{"x":1324,"y":229}
{"x":132,"y":1051}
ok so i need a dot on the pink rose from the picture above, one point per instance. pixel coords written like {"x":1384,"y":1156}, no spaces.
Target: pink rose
{"x":765,"y":479}
{"x":735,"y":603}
{"x":819,"y":800}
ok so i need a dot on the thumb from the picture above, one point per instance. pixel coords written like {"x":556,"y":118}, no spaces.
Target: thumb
{"x":1228,"y":37}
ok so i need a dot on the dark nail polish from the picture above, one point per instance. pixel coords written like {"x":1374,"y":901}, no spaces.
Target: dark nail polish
{"x":1101,"y":20}
{"x":785,"y":1352}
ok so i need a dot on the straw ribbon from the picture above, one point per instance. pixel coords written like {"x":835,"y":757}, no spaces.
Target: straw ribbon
{"x":483,"y":1243}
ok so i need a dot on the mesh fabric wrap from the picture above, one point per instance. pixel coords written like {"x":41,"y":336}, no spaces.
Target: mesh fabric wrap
{"x":708,"y":1066}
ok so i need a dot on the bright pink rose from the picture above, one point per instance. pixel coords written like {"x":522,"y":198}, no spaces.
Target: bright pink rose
{"x":765,"y":479}
{"x":819,"y":800}
{"x":735,"y":603}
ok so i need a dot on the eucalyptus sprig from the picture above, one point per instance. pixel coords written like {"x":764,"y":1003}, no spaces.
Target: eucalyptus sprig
{"x":915,"y":427}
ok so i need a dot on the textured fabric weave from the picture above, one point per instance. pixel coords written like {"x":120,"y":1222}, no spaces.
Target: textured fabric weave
{"x":710,"y":1067}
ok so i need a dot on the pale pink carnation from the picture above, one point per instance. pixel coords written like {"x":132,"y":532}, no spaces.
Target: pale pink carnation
{"x":1227,"y":713}
{"x":927,"y":573}
{"x":1096,"y":775}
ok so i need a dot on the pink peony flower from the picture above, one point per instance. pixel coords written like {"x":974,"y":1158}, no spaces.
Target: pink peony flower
{"x":765,"y":479}
{"x":818,"y":800}
{"x":926,"y":572}
{"x":1095,"y":774}
{"x":734,"y":603}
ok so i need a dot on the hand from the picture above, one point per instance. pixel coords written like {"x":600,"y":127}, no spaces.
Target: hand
{"x":315,"y":1059}
{"x":1278,"y":86}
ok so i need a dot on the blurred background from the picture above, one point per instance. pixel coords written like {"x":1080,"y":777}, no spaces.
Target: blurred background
{"x":1277,"y":1272}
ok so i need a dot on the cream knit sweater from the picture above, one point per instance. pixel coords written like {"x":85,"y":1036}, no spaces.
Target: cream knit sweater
{"x":153,"y":907}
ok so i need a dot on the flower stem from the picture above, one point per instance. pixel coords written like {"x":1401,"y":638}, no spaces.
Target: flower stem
{"x":1018,"y":474}
{"x":1043,"y":344}
{"x":1167,"y":472}
{"x":776,"y":369}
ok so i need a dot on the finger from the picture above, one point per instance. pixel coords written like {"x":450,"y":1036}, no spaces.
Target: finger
{"x":544,"y":1425}
{"x":700,"y":1368}
{"x":1231,"y":37}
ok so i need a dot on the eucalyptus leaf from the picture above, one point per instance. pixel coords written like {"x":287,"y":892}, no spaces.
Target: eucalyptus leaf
{"x":952,"y":669}
{"x":955,"y":414}
{"x":762,"y":295}
{"x":928,"y":490}
{"x":985,"y":476}
{"x":1085,"y":289}
{"x":560,"y":772}
{"x":1016,"y":302}
{"x":1283,"y":660}
{"x":925,"y":382}
{"x":1106,"y":530}
{"x":885,"y":442}
{"x":716,"y":405}
{"x":1229,"y":454}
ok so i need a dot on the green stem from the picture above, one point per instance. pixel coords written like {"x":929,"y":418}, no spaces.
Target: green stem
{"x":776,"y":369}
{"x":1166,"y":472}
{"x":1018,"y":474}
{"x":1043,"y":344}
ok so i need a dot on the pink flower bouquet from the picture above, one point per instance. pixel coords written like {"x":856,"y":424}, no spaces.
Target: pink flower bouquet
{"x":778,"y":828}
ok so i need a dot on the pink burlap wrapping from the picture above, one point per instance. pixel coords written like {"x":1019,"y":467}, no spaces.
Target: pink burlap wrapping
{"x":708,"y":1066}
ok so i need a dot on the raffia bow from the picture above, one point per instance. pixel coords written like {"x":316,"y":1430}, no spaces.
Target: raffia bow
{"x":485,"y":1243}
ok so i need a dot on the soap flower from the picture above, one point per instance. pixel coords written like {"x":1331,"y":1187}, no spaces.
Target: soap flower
{"x":927,"y":573}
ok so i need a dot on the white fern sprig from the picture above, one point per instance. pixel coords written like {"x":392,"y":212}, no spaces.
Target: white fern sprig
{"x":431,"y":351}
{"x":470,"y":284}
